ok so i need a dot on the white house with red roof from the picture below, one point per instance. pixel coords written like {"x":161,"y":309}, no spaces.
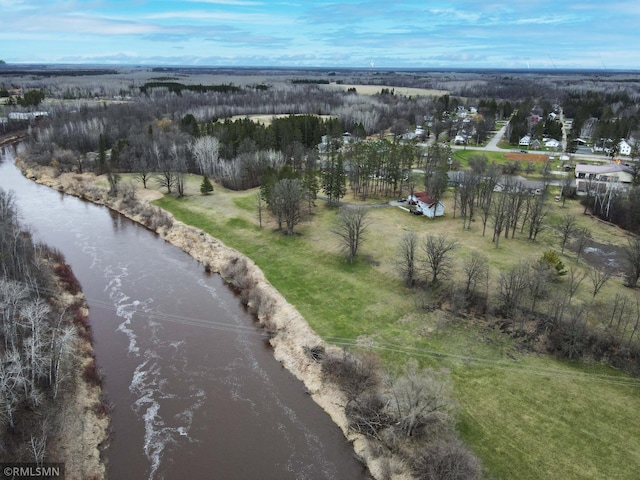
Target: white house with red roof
{"x":426,"y":204}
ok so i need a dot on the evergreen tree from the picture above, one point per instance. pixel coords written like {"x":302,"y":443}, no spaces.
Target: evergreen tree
{"x":206,"y":186}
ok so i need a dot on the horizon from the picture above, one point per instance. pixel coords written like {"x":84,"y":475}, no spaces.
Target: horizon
{"x":410,"y":34}
{"x":329,"y":69}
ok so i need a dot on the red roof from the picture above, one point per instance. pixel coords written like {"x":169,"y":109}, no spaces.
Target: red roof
{"x":424,"y":198}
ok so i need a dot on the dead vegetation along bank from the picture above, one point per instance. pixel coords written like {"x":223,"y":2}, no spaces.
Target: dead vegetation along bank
{"x":288,"y":332}
{"x":50,"y":387}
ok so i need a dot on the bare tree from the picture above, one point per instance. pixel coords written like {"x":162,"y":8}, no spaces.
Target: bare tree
{"x":598,"y":278}
{"x":513,"y":286}
{"x":537,"y":214}
{"x":288,"y":199}
{"x":438,"y":260}
{"x":566,"y":188}
{"x":499,"y":212}
{"x":407,"y":257}
{"x":259,"y":207}
{"x":583,"y":237}
{"x":574,"y":281}
{"x":351,"y":226}
{"x":567,"y":228}
{"x":632,"y":267}
{"x":475,"y":268}
{"x":206,"y":152}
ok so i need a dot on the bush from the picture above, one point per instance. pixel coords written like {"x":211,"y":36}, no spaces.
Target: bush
{"x":91,"y":373}
{"x":449,"y":460}
{"x":66,"y":276}
{"x":354,"y":375}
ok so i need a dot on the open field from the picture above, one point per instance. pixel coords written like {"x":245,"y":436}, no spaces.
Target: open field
{"x":375,"y":89}
{"x":267,"y":119}
{"x":527,"y":416}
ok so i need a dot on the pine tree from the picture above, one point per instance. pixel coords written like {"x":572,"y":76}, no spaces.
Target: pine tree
{"x":206,"y":186}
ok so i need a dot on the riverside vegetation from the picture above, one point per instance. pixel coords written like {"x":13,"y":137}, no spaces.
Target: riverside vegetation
{"x":50,"y":385}
{"x":505,"y":344}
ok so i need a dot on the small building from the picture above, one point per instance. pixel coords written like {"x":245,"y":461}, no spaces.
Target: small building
{"x":525,"y":141}
{"x":426,"y":205}
{"x":624,"y":148}
{"x":552,"y":143}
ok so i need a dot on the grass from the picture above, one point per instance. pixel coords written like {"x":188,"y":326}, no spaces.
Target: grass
{"x":527,"y":416}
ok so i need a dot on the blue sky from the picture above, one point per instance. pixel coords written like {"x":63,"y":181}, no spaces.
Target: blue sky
{"x":410,"y":34}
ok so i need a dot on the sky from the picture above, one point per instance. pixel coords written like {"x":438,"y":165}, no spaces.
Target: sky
{"x":351,"y":34}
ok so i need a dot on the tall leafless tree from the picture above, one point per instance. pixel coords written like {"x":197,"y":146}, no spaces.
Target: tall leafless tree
{"x":407,"y":261}
{"x":351,"y":227}
{"x":438,"y":256}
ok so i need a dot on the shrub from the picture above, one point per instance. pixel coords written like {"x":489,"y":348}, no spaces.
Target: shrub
{"x":351,"y":373}
{"x":91,"y":373}
{"x":449,"y":460}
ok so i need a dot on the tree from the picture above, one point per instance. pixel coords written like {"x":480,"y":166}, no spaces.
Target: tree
{"x":499,"y":212}
{"x":598,"y":278}
{"x":512,"y":286}
{"x":407,"y":257}
{"x":32,"y":98}
{"x":351,"y":226}
{"x":435,"y":170}
{"x":206,"y":152}
{"x":567,"y":188}
{"x":333,"y":181}
{"x":632,"y":266}
{"x":259,"y":207}
{"x":438,"y":258}
{"x":583,"y":237}
{"x":206,"y":187}
{"x":475,"y":268}
{"x":537,"y":214}
{"x":288,"y":198}
{"x":567,"y":228}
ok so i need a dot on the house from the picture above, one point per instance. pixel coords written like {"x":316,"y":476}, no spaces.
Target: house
{"x":624,"y":148}
{"x":552,"y":143}
{"x":525,"y":141}
{"x":460,"y":140}
{"x":535,"y":145}
{"x":426,"y":205}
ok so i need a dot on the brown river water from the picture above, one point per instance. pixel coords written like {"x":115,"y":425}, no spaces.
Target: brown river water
{"x":196,"y":389}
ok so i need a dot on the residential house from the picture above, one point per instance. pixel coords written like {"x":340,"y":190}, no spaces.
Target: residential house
{"x":552,"y":143}
{"x":525,"y":141}
{"x":624,"y":148}
{"x":426,"y":205}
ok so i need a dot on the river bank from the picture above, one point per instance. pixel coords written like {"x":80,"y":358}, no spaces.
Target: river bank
{"x":83,"y":421}
{"x":289,"y":334}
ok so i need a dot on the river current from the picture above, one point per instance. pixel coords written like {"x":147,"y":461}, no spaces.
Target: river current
{"x":197,"y":393}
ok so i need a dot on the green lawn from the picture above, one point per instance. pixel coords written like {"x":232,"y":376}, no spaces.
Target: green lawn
{"x":527,"y":416}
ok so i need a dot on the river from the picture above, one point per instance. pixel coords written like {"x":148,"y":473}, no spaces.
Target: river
{"x":196,"y":390}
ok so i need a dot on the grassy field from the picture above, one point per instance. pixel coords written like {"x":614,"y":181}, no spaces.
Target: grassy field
{"x":527,"y":416}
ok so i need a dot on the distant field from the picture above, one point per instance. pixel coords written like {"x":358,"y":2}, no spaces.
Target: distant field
{"x":528,"y":416}
{"x":375,"y":89}
{"x":267,"y":119}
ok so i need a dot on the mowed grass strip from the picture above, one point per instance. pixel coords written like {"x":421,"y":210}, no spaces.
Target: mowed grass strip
{"x":526,"y":416}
